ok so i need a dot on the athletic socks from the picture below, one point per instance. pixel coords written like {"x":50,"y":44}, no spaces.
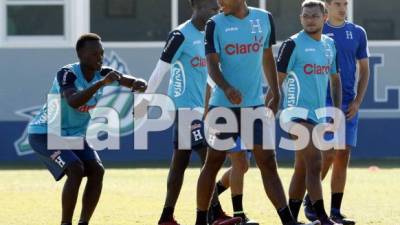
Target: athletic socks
{"x":220,"y":187}
{"x":238,"y":206}
{"x":294,"y":205}
{"x":167,"y":214}
{"x":201,"y":217}
{"x":336,"y":203}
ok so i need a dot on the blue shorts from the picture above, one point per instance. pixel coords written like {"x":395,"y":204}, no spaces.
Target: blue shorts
{"x":257,"y":130}
{"x":58,"y":160}
{"x":351,"y":129}
{"x":197,"y":134}
{"x":238,"y":148}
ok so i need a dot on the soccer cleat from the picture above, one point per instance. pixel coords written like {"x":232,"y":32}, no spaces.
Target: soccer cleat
{"x":248,"y":221}
{"x":227,"y":220}
{"x":339,"y":218}
{"x":309,"y":211}
{"x":301,"y":223}
{"x":312,"y":223}
{"x":171,"y":222}
{"x":328,"y":221}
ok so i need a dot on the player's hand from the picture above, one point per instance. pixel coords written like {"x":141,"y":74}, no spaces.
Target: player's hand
{"x":111,"y":77}
{"x":354,"y":106}
{"x":233,"y":95}
{"x":140,"y":85}
{"x":272,"y":103}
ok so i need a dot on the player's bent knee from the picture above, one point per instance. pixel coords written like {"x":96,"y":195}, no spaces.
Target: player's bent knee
{"x":329,"y":156}
{"x":94,"y":170}
{"x":314,"y":168}
{"x":240,"y":166}
{"x":267,"y":163}
{"x":75,"y":170}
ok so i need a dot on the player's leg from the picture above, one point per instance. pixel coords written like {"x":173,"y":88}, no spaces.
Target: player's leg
{"x":339,"y":172}
{"x":94,"y":171}
{"x":240,"y":165}
{"x":313,"y":162}
{"x":297,"y":186}
{"x":59,"y":163}
{"x":179,"y":163}
{"x":75,"y":173}
{"x":206,"y":181}
{"x":266,"y":162}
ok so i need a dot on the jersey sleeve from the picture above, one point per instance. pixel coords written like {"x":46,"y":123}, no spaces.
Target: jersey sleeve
{"x":173,"y":47}
{"x":66,"y":79}
{"x":335,"y":63}
{"x":362,"y":50}
{"x":211,"y":39}
{"x":285,"y":60}
{"x":271,"y":40}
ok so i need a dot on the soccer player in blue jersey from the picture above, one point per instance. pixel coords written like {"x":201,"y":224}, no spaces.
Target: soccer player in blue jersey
{"x":238,"y":48}
{"x":352,"y":49}
{"x":306,"y":63}
{"x":80,"y":86}
{"x":184,"y":57}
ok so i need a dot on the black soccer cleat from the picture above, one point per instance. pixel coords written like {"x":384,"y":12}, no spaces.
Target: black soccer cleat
{"x":309,"y":211}
{"x":339,"y":218}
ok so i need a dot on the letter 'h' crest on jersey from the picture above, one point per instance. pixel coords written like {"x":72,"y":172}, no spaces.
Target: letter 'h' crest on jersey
{"x":255,"y":26}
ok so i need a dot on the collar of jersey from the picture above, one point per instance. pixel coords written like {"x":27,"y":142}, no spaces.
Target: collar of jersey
{"x":340,"y":26}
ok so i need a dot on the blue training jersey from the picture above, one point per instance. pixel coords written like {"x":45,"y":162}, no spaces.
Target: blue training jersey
{"x":308,"y":64}
{"x":184,"y":50}
{"x":239,"y":44}
{"x":74,"y":122}
{"x":351,"y":43}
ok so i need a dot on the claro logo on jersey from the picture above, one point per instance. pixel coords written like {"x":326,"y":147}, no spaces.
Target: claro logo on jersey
{"x":314,"y":69}
{"x":198,"y":61}
{"x":243,"y":49}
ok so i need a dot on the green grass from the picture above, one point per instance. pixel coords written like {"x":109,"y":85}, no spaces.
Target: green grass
{"x":135,"y":196}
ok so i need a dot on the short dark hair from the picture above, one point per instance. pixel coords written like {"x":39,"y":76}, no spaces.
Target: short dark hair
{"x":313,"y":3}
{"x":84,"y":38}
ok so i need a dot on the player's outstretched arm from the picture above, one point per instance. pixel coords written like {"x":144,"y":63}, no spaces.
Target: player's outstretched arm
{"x":134,"y":83}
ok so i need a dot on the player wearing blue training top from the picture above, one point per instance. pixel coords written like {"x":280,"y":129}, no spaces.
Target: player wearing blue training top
{"x":306,"y":64}
{"x":352,"y":47}
{"x":184,"y":58}
{"x":239,"y":50}
{"x":80,"y":87}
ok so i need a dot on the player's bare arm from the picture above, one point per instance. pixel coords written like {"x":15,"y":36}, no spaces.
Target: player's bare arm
{"x":77,"y":98}
{"x":134,"y":83}
{"x":272,"y":101}
{"x":336,"y":90}
{"x":354,"y":106}
{"x":234,"y":95}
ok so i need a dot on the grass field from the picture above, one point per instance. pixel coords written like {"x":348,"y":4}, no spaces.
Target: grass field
{"x":135,"y":196}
